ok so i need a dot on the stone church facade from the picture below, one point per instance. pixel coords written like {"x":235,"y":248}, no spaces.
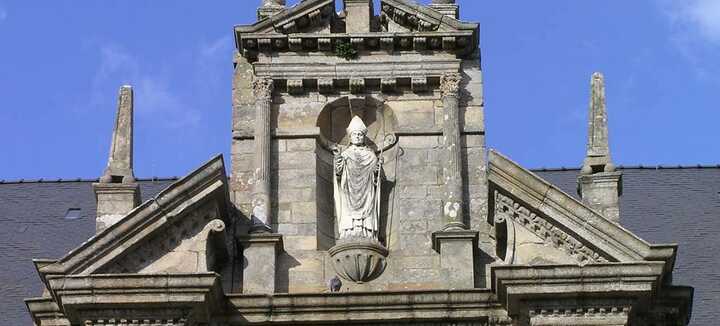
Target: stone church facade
{"x":465,"y":236}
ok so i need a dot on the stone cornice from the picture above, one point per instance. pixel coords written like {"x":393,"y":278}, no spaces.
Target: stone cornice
{"x":45,"y":309}
{"x":196,"y":297}
{"x":518,"y":285}
{"x":330,"y":76}
{"x":461,"y":43}
{"x":209,"y":181}
{"x":359,"y":306}
{"x":564,"y":211}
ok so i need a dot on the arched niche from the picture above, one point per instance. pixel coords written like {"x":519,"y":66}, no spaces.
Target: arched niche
{"x":332,"y":122}
{"x":335,"y":117}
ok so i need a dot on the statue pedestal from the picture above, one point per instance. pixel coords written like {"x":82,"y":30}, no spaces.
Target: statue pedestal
{"x":358,"y":260}
{"x":260,"y":251}
{"x":457,"y":256}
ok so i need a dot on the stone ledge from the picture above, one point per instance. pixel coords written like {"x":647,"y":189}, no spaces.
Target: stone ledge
{"x":479,"y":304}
{"x":516,"y":285}
{"x":462,"y":43}
{"x":84,"y":297}
{"x":453,"y":235}
{"x":268,"y":239}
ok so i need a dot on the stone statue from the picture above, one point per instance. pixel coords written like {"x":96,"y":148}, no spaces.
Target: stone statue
{"x":357,"y":186}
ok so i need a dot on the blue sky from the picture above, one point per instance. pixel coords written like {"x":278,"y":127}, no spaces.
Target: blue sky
{"x":62,"y":62}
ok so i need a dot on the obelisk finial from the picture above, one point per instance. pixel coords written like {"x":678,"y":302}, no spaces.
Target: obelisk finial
{"x":599,"y":185}
{"x":597,"y":158}
{"x":446,"y":7}
{"x":117,"y":193}
{"x":269,"y":8}
{"x":120,"y":161}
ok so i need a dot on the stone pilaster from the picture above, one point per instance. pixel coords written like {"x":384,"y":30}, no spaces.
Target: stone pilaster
{"x":454,"y":242}
{"x":270,"y":8}
{"x":446,"y":7}
{"x":260,"y":252}
{"x":261,"y":211}
{"x":453,"y":214}
{"x":599,"y":185}
{"x":117,"y":193}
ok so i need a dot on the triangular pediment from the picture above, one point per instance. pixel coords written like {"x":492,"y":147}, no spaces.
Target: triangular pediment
{"x":180,"y":230}
{"x":308,"y":16}
{"x":541,"y":224}
{"x":407,"y":16}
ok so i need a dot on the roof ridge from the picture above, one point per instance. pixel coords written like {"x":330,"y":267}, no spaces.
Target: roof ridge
{"x":61,"y":180}
{"x":636,"y":167}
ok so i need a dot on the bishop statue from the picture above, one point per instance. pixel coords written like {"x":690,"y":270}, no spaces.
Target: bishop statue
{"x":357,"y":186}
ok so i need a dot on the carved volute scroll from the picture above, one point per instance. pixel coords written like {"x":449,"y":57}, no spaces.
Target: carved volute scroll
{"x":509,"y":211}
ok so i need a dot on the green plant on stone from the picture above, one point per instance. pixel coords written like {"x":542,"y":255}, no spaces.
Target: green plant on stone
{"x":345,"y":51}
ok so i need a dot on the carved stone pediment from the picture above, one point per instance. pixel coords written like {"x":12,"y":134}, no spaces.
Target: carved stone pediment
{"x":180,"y":230}
{"x":414,"y":17}
{"x":306,"y":17}
{"x":533,"y":215}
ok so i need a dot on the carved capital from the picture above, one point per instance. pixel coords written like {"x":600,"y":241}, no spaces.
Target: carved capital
{"x":450,"y":84}
{"x":263,"y":88}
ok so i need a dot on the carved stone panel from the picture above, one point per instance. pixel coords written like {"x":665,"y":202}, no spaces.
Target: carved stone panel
{"x":508,"y":210}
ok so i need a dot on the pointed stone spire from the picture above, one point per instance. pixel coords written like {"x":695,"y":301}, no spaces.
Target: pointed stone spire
{"x":117,"y":193}
{"x":446,"y":7}
{"x":597,"y":158}
{"x":598,"y":184}
{"x":270,"y":8}
{"x":120,"y":162}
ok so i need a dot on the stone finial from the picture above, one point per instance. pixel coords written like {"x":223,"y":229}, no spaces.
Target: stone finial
{"x":358,"y":15}
{"x":117,"y":193}
{"x":446,"y":7}
{"x":270,"y":8}
{"x":599,"y":185}
{"x":120,"y":162}
{"x":597,"y":158}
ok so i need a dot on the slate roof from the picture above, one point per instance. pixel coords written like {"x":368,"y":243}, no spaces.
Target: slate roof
{"x":673,"y":205}
{"x":33,"y":225}
{"x":661,"y":205}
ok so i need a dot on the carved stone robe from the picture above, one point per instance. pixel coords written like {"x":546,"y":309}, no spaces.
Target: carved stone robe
{"x":356,"y":201}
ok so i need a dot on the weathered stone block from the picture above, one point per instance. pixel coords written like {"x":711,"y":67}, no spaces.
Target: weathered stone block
{"x":419,"y":209}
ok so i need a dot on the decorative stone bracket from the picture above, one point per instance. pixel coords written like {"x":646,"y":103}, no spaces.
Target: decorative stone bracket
{"x":459,"y":42}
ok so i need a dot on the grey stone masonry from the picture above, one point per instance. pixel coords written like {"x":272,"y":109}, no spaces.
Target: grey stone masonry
{"x":599,"y":185}
{"x":117,"y":193}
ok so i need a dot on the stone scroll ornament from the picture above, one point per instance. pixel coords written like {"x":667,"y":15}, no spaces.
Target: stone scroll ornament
{"x":357,"y":186}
